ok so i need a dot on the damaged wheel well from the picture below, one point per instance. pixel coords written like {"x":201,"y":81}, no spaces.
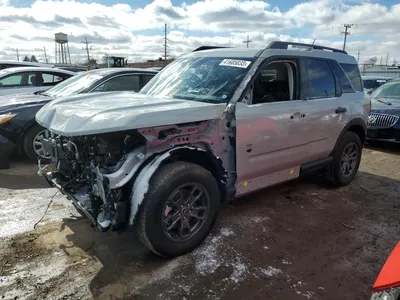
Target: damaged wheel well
{"x":205,"y":159}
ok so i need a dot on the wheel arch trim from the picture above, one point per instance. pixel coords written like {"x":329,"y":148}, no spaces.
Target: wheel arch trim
{"x":148,"y":168}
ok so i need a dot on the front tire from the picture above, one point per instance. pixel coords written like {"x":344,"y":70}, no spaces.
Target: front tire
{"x":179,"y":209}
{"x":346,"y":160}
{"x":31,"y":143}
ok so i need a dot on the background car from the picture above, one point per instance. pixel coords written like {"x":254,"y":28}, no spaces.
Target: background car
{"x":372,"y":82}
{"x":30,"y":79}
{"x":383,"y":122}
{"x":17,"y":113}
{"x":5,"y":64}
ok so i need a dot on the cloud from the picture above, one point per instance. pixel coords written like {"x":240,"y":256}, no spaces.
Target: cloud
{"x":136,"y":32}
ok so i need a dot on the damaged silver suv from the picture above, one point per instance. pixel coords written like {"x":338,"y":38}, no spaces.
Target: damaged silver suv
{"x":215,"y":124}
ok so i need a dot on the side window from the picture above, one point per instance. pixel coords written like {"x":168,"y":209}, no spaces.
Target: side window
{"x":50,"y":79}
{"x":146,"y":79}
{"x":353,"y":73}
{"x":320,"y":82}
{"x":120,"y":83}
{"x":19,"y":79}
{"x":275,"y":82}
{"x":344,"y":81}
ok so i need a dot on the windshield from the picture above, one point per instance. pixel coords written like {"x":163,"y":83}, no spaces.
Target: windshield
{"x":209,"y":79}
{"x":388,"y":90}
{"x":373,"y":83}
{"x":73,"y":85}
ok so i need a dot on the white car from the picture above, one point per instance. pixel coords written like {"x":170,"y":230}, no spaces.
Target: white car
{"x":30,"y":79}
{"x":5,"y":64}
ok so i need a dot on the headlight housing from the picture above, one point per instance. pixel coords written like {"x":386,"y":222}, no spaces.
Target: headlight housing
{"x":4,"y":118}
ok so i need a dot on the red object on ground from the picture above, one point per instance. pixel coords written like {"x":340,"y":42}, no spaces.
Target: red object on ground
{"x":389,"y":277}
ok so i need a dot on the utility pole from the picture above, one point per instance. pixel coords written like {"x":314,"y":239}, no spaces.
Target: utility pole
{"x":17,"y":54}
{"x":247,"y":41}
{"x":86,"y":42}
{"x":358,"y":56}
{"x":313,"y":42}
{"x":165,"y":43}
{"x":45,"y":55}
{"x":346,"y":33}
{"x":387,"y":59}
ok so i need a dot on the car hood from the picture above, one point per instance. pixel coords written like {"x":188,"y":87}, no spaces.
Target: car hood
{"x":385,"y":108}
{"x":12,"y":102}
{"x":109,"y":112}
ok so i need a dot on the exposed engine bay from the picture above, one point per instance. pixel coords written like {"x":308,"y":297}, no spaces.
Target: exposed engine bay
{"x":83,"y":162}
{"x":97,"y":172}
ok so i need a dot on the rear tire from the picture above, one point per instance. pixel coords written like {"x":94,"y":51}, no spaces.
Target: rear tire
{"x":165,"y":205}
{"x":346,"y":160}
{"x":28,"y":143}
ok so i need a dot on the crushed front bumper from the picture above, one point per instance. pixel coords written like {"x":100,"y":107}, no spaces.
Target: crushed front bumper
{"x":6,"y":148}
{"x":53,"y":181}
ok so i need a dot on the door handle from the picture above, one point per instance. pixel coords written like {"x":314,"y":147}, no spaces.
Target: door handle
{"x":340,"y":110}
{"x":297,"y":116}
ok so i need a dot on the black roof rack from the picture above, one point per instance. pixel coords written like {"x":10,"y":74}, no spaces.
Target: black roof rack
{"x":284,"y":45}
{"x":208,"y":48}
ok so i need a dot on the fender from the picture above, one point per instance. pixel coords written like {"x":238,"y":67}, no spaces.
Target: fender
{"x":354,"y":122}
{"x":141,"y":182}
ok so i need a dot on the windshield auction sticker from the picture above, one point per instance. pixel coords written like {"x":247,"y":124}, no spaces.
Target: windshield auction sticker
{"x":235,"y":63}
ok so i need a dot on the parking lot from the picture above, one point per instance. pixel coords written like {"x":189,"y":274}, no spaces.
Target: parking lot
{"x":300,"y":240}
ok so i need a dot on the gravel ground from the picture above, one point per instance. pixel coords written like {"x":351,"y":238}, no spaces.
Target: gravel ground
{"x":299,"y":240}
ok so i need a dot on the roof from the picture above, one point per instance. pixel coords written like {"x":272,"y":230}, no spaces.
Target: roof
{"x":278,"y":48}
{"x":109,"y":71}
{"x":34,"y":69}
{"x":376,"y":77}
{"x":27,"y":63}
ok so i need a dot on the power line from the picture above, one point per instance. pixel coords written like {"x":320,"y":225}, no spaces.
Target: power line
{"x":247,"y":41}
{"x":346,"y":33}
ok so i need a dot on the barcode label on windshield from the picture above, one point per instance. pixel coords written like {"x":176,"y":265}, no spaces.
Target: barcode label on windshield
{"x":235,"y":63}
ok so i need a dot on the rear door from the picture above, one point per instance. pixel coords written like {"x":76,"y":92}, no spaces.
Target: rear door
{"x":328,"y":103}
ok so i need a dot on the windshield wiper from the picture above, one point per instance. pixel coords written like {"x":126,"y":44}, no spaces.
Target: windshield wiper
{"x":43,"y":93}
{"x":383,"y":101}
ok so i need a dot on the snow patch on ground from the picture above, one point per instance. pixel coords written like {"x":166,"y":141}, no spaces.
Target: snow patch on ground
{"x":271,"y":271}
{"x":239,"y":272}
{"x":21,"y":209}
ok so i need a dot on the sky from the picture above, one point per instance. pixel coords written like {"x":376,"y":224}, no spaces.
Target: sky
{"x":135,"y":28}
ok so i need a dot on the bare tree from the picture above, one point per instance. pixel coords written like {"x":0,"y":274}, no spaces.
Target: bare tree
{"x":104,"y":58}
{"x":369,"y":63}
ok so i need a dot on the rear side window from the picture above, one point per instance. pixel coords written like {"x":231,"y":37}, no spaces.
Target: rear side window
{"x":50,"y":79}
{"x":353,"y":73}
{"x":146,"y":79}
{"x":120,"y":83}
{"x":344,"y":81}
{"x":321,"y":82}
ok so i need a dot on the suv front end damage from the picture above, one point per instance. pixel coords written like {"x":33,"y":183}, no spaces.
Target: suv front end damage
{"x":107,"y":175}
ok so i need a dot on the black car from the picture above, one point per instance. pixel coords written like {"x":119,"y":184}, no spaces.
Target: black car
{"x":18,"y":128}
{"x":384,"y":120}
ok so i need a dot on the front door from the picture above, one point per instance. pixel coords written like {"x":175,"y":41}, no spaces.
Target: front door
{"x":271,"y":136}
